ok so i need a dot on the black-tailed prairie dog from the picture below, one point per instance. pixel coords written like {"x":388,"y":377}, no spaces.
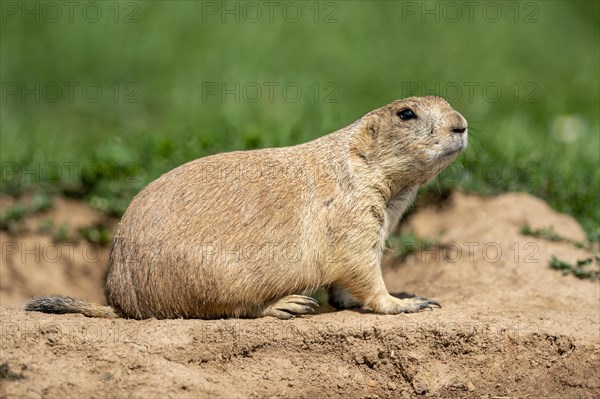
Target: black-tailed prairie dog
{"x":245,"y":234}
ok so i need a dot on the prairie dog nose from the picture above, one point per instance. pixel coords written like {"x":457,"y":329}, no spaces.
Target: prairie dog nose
{"x":458,"y":123}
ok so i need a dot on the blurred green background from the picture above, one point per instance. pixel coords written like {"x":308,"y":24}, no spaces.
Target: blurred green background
{"x":100,"y":98}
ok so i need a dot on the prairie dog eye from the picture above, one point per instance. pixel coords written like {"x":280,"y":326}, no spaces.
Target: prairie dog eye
{"x":406,"y":114}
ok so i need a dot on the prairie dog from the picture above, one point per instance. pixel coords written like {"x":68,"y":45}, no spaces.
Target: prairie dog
{"x":244,"y":234}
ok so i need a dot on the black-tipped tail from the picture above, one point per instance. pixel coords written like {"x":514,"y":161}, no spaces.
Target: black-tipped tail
{"x":65,"y":304}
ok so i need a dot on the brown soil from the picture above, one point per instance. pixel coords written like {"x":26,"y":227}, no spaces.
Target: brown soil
{"x":510,"y":325}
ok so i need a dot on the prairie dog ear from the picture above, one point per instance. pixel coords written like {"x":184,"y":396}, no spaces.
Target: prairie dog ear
{"x":364,"y":143}
{"x":371,"y":124}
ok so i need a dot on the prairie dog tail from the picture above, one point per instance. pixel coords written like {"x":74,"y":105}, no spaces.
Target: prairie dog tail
{"x":66,"y":304}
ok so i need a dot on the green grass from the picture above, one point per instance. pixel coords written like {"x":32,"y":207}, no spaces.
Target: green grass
{"x":547,"y":233}
{"x":409,"y":243}
{"x":543,"y":138}
{"x":585,"y":268}
{"x":13,"y":217}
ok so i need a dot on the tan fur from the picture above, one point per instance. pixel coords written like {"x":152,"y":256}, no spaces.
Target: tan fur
{"x":238,"y":234}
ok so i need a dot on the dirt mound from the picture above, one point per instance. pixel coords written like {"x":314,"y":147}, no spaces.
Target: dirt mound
{"x":510,"y":326}
{"x":47,"y":258}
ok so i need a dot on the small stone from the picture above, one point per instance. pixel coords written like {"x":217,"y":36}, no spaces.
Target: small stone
{"x":419,"y":389}
{"x":392,"y":386}
{"x":470,"y":387}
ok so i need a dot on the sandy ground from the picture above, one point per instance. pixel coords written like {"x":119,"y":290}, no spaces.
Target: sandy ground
{"x":510,"y":325}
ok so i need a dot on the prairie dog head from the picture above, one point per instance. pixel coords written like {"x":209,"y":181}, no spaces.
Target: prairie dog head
{"x":412,"y":139}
